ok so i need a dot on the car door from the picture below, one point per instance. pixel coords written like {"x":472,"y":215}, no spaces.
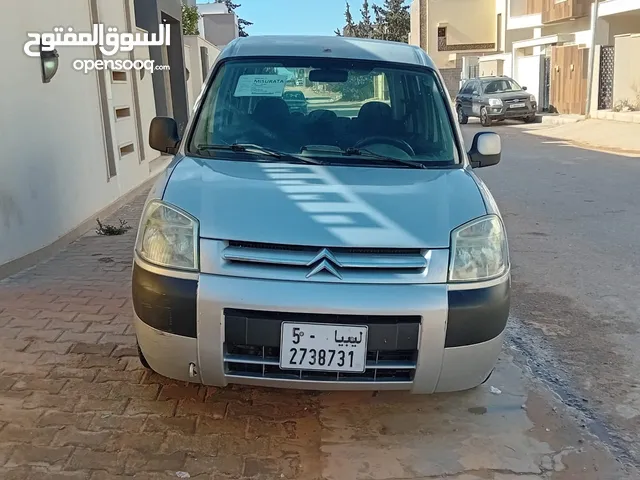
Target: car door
{"x":463,"y":96}
{"x":469,"y":97}
{"x":475,"y":99}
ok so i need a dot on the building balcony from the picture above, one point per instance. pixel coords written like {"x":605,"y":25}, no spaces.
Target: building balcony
{"x":617,"y":7}
{"x":557,"y":11}
{"x":524,"y":14}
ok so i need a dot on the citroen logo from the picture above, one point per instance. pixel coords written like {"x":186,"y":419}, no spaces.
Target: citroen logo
{"x":324,"y":261}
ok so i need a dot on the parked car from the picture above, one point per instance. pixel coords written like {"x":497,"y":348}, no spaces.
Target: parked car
{"x":296,"y":101}
{"x":356,"y":253}
{"x":494,"y":99}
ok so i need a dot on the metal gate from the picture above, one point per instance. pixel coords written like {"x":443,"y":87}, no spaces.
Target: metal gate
{"x":473,"y":71}
{"x":568,"y":79}
{"x":605,"y":90}
{"x":546,"y":86}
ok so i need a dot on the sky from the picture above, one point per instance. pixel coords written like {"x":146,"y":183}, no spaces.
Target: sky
{"x":296,"y":17}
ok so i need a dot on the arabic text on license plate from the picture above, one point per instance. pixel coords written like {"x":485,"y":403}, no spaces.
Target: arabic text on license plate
{"x":324,"y":347}
{"x":518,"y":105}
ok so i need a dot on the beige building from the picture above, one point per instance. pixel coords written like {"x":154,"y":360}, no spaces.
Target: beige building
{"x":451,"y":31}
{"x":540,"y":43}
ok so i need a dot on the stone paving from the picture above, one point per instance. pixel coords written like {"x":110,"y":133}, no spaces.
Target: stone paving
{"x":76,"y":404}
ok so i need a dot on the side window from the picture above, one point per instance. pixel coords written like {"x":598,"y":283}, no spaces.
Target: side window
{"x":473,"y":87}
{"x":466,"y":88}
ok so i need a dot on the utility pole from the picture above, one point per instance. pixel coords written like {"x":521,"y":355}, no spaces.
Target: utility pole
{"x":592,"y":55}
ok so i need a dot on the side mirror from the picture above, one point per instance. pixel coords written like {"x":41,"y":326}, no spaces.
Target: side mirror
{"x":486,"y":150}
{"x":476,"y":93}
{"x":163,"y":135}
{"x":524,"y":88}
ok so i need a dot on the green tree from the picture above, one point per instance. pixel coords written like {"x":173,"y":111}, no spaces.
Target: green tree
{"x":190,"y":17}
{"x":366,"y":28}
{"x":242,"y":23}
{"x":393,"y":20}
{"x":350,"y":29}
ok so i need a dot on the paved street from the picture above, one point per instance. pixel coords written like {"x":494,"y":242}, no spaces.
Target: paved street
{"x":75,"y":403}
{"x":573,"y":218}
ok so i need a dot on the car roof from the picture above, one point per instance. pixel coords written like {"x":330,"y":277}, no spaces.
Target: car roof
{"x":498,"y":77}
{"x":326,"y":47}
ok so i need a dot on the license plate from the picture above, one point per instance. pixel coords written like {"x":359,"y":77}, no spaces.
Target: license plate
{"x":518,"y":105}
{"x":323,"y":347}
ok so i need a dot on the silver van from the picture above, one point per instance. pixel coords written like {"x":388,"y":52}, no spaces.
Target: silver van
{"x":298,"y":250}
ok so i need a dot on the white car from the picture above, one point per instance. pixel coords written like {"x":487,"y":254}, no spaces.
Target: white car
{"x":351,"y":248}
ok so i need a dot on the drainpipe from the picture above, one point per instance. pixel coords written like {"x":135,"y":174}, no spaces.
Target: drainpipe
{"x":592,"y":53}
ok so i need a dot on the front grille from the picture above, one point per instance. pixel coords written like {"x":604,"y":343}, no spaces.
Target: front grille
{"x":252,"y":346}
{"x":358,"y":263}
{"x":304,"y":248}
{"x":264,"y":362}
{"x":515,"y":100}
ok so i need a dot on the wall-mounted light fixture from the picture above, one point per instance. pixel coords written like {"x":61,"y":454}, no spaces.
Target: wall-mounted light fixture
{"x":48,"y":63}
{"x":188,"y":73}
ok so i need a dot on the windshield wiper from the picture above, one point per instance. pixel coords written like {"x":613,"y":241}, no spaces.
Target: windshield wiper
{"x":259,"y":150}
{"x":368,"y":153}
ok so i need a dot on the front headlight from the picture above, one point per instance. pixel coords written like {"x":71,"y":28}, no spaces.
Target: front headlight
{"x":532,"y":98}
{"x":168,"y":237}
{"x":495,"y":102}
{"x":479,"y":250}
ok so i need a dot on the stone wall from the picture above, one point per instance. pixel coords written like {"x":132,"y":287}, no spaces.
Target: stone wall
{"x":451,"y":78}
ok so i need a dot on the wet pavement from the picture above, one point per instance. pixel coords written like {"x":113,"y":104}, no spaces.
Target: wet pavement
{"x":75,"y":403}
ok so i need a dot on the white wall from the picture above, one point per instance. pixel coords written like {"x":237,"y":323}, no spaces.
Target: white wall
{"x":194,"y":43}
{"x":146,"y":99}
{"x":414,"y":33}
{"x":612,"y":7}
{"x":187,"y":65}
{"x":53,"y":163}
{"x":527,"y":73}
{"x":581,"y":27}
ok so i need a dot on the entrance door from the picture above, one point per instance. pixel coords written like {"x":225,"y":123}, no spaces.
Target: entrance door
{"x":568,"y":89}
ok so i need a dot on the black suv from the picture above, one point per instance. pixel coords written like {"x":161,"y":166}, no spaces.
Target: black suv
{"x":296,"y":101}
{"x":494,"y":99}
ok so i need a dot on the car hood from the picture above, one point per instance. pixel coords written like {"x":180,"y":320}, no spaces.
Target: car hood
{"x":510,"y":95}
{"x":327,"y":206}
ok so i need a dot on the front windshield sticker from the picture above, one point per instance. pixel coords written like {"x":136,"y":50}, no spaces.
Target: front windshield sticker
{"x":260,"y":86}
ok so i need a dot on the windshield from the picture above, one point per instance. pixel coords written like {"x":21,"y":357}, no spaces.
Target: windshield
{"x":501,"y":86}
{"x":350,"y":113}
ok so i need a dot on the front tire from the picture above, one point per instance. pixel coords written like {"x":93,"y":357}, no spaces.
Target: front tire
{"x":143,"y":360}
{"x":485,"y":119}
{"x":462,"y":118}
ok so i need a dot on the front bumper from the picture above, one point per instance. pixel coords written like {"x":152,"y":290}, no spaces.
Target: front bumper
{"x":208,"y":328}
{"x":505,"y":111}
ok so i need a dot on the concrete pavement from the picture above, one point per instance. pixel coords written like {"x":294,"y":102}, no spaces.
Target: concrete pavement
{"x":75,"y":403}
{"x":616,"y":137}
{"x":573,"y":220}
